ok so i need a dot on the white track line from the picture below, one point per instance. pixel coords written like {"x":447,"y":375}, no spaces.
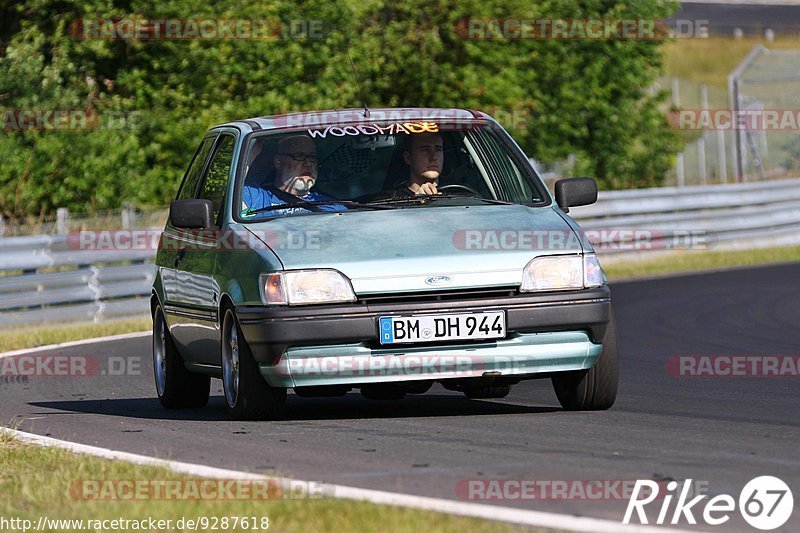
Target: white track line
{"x":475,"y":510}
{"x":49,"y":347}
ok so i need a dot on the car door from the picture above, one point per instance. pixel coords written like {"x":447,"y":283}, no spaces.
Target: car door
{"x":197,"y":291}
{"x":169,"y":254}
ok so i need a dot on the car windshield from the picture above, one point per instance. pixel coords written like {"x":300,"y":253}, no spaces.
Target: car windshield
{"x":389,"y":165}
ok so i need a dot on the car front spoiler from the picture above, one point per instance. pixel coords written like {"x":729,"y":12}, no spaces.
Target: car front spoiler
{"x":520,"y":355}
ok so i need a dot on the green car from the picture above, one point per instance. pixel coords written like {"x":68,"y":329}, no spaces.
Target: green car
{"x":383,"y":250}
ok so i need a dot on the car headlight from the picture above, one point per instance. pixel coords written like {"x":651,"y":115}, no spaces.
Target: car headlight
{"x":559,"y":272}
{"x":301,"y":287}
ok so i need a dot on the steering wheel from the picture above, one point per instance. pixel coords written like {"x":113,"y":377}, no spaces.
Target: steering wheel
{"x":462,"y":187}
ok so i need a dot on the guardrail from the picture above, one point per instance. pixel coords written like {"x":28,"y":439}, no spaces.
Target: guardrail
{"x":730,"y":216}
{"x":60,"y":283}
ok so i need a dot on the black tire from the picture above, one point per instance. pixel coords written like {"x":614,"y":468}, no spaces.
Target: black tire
{"x":250,"y":397}
{"x":593,"y":389}
{"x":176,"y":387}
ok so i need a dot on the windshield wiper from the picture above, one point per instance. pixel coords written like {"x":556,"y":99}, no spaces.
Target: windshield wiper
{"x":472,"y":197}
{"x":306,"y":204}
{"x":425,"y":198}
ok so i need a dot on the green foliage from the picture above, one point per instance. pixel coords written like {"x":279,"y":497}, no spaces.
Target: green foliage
{"x":588,"y":98}
{"x":792,"y":149}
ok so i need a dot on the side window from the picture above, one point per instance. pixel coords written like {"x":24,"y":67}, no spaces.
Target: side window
{"x":216,"y":182}
{"x":503,"y":173}
{"x":192,"y":178}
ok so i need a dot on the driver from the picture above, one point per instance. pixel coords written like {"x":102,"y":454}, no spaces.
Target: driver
{"x":295,"y":174}
{"x":424,"y":155}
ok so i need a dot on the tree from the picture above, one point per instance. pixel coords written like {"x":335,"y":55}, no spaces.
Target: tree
{"x":558,"y":97}
{"x":590,"y":98}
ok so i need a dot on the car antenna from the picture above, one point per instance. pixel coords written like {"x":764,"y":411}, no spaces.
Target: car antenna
{"x":358,"y":84}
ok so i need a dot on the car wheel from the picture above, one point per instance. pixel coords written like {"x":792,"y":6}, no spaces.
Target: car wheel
{"x":176,"y":387}
{"x":595,"y":388}
{"x":247,"y":395}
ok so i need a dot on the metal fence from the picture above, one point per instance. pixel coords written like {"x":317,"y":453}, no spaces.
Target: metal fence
{"x":46,"y":275}
{"x":765,"y":84}
{"x":718,"y":217}
{"x":48,"y":279}
{"x":45,"y":279}
{"x":767,"y":80}
{"x":65,"y":222}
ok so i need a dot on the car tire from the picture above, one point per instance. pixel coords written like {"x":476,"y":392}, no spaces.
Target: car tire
{"x":247,"y":395}
{"x":593,"y":389}
{"x":176,"y":387}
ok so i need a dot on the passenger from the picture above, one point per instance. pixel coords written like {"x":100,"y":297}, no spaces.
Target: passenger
{"x":295,"y":174}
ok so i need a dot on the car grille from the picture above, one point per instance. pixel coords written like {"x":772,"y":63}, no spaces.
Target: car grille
{"x":439,"y":296}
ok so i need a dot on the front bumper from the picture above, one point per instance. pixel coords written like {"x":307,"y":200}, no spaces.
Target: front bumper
{"x":338,"y":344}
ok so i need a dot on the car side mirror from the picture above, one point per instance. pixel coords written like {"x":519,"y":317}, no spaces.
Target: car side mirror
{"x":191,"y":214}
{"x":572,"y":192}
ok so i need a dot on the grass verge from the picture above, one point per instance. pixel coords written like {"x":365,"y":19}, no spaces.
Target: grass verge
{"x":33,"y":336}
{"x":711,"y":60}
{"x":698,"y":261}
{"x":47,"y":482}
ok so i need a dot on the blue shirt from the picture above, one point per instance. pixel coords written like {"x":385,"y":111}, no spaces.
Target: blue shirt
{"x":258,"y":197}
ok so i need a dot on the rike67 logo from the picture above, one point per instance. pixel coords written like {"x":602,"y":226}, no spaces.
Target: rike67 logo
{"x":765,"y":502}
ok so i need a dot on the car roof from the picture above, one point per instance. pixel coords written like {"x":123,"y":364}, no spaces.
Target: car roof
{"x":333,"y":117}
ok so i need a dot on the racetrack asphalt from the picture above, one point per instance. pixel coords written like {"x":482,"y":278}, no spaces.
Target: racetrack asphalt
{"x":721,"y":18}
{"x":719,"y":431}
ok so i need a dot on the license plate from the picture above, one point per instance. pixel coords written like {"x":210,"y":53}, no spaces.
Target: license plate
{"x":429,"y":328}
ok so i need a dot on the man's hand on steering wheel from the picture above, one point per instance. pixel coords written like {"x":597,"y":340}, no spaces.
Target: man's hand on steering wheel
{"x":428,"y":188}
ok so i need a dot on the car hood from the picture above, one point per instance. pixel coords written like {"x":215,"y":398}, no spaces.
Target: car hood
{"x":420,"y":249}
